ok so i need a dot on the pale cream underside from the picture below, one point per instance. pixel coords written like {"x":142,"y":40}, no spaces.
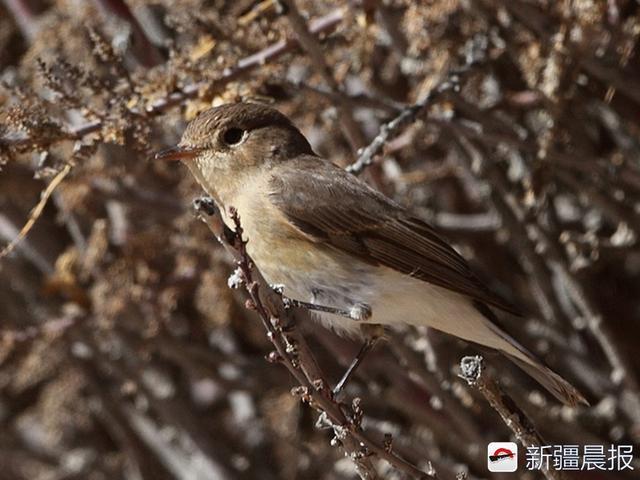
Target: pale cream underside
{"x":397,"y":299}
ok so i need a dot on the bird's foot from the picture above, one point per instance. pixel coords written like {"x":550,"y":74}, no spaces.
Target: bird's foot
{"x":359,"y":312}
{"x":204,"y":204}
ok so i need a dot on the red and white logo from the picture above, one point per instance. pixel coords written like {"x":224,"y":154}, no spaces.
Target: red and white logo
{"x":502,"y":457}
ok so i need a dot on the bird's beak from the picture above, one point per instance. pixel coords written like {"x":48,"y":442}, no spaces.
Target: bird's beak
{"x":177,"y":153}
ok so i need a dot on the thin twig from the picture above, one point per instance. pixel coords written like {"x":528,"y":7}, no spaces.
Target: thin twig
{"x":37,"y":210}
{"x":389,"y":130}
{"x":473,"y":372}
{"x":532,"y":263}
{"x":359,"y":100}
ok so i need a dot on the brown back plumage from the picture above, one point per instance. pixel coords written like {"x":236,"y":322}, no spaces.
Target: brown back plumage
{"x":336,"y":207}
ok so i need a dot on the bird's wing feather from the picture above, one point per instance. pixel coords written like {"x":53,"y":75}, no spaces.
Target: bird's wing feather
{"x":332,"y":206}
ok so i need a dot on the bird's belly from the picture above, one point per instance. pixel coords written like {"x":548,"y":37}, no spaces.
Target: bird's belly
{"x":327,"y":277}
{"x":394,"y":298}
{"x":320,"y":275}
{"x":317,"y":273}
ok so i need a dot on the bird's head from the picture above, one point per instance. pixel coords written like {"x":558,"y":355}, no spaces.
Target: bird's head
{"x":226,"y":144}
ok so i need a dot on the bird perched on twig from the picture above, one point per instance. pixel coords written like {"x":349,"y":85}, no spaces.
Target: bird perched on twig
{"x":336,"y":243}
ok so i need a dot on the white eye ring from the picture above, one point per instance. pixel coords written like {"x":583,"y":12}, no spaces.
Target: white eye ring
{"x":233,"y":136}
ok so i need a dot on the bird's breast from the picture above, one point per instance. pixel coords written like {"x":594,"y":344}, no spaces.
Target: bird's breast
{"x":309,"y":270}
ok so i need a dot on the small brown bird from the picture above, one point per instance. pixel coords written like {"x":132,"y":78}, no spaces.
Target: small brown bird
{"x":332,"y":240}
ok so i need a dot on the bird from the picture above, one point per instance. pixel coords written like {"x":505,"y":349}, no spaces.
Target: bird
{"x":330,"y":239}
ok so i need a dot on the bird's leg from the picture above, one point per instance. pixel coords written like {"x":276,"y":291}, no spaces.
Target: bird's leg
{"x":359,"y":312}
{"x":367,"y":346}
{"x":372,"y":333}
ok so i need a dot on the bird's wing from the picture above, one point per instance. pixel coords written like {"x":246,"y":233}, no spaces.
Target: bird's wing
{"x":332,"y":206}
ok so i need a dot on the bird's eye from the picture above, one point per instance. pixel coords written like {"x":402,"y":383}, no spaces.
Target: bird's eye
{"x":233,"y":136}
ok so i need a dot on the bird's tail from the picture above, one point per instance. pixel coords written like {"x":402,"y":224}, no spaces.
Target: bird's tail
{"x":554,"y":383}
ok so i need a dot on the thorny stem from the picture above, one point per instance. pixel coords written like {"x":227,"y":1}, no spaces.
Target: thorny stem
{"x":571,"y":161}
{"x":295,"y":355}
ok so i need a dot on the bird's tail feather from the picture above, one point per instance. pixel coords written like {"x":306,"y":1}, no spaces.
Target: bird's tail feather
{"x":554,"y":383}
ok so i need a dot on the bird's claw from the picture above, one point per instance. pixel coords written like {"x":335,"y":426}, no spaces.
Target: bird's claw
{"x":360,"y":312}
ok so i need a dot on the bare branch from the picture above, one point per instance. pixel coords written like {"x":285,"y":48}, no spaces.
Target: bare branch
{"x":406,"y":117}
{"x":473,"y":372}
